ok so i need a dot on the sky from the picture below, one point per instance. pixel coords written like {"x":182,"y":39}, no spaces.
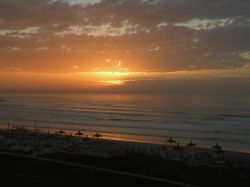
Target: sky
{"x":125,"y":45}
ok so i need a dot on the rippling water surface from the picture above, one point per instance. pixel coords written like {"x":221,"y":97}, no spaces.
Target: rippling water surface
{"x":148,"y":118}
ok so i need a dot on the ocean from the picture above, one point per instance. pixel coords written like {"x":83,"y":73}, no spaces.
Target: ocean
{"x":143,"y":118}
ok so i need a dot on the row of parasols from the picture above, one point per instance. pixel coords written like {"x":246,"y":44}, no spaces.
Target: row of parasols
{"x":171,"y":141}
{"x":79,"y":133}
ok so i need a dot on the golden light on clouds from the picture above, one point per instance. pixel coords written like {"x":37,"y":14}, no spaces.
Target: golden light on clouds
{"x":112,"y":82}
{"x":103,"y":79}
{"x":110,"y":78}
{"x":112,"y":72}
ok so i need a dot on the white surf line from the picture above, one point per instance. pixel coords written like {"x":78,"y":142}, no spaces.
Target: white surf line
{"x":102,"y":169}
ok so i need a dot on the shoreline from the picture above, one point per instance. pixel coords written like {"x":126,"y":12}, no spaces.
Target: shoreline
{"x":123,"y":137}
{"x":233,"y":157}
{"x":27,"y":141}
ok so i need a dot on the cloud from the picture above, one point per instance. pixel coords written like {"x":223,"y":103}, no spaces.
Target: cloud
{"x":20,"y":33}
{"x":101,"y":30}
{"x":159,"y":35}
{"x":81,"y":2}
{"x":245,"y":55}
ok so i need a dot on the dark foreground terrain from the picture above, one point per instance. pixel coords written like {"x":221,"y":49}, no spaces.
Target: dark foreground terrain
{"x":188,"y":173}
{"x":20,"y":171}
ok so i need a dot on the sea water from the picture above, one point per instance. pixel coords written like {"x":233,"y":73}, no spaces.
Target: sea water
{"x":145,"y":118}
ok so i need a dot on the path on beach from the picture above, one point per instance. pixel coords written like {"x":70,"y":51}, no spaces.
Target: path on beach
{"x":111,"y":171}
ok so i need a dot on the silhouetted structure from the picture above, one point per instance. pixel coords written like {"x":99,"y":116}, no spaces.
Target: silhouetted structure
{"x":79,"y":133}
{"x":61,"y":132}
{"x":98,"y":135}
{"x":171,"y":140}
{"x":178,"y":147}
{"x":191,"y":144}
{"x":216,"y":146}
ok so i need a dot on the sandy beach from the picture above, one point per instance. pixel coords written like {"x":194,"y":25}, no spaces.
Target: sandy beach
{"x":183,"y":164}
{"x":102,"y":146}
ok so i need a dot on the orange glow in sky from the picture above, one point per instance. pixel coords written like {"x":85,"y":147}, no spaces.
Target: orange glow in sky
{"x":88,"y":44}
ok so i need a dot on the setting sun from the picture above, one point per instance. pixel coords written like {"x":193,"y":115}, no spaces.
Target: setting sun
{"x":111,"y":73}
{"x":111,"y":78}
{"x":112,"y":82}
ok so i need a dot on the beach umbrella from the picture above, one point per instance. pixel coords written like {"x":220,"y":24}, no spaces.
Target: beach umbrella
{"x":79,"y":133}
{"x":61,"y":132}
{"x":171,"y":140}
{"x":98,"y":135}
{"x":216,"y":146}
{"x":191,"y":144}
{"x":178,"y":147}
